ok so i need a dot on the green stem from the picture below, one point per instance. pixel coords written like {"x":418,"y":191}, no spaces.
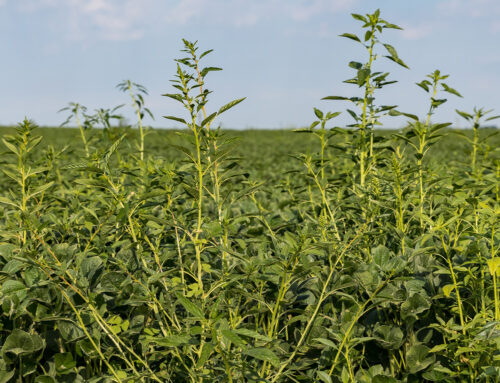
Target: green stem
{"x":455,"y":285}
{"x":363,"y":153}
{"x":139,"y":120}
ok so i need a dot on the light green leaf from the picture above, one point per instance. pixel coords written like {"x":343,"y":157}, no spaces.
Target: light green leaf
{"x":40,"y":189}
{"x":324,"y":376}
{"x":447,"y":290}
{"x":7,"y":201}
{"x":494,"y":266}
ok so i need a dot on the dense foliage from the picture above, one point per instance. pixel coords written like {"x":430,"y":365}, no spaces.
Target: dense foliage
{"x":321,"y":255}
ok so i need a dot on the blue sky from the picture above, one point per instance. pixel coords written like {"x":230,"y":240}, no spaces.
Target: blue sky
{"x":283,"y":55}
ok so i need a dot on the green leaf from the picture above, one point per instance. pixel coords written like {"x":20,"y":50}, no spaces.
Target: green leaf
{"x":64,"y":363}
{"x":435,"y":102}
{"x":336,"y":98}
{"x":190,"y":307}
{"x":205,"y":71}
{"x":413,"y":306}
{"x":447,"y":289}
{"x":7,"y":201}
{"x":394,"y":55}
{"x":494,"y":266}
{"x":5,"y":376}
{"x":358,"y":17}
{"x":318,"y":113}
{"x":178,"y":119}
{"x":13,"y":266}
{"x":384,"y":379}
{"x":424,"y":85}
{"x":324,"y":376}
{"x":209,"y":119}
{"x":263,"y":354}
{"x":20,"y":342}
{"x":355,"y":65}
{"x":252,"y":334}
{"x":175,"y":96}
{"x":439,"y":347}
{"x":40,"y":189}
{"x":91,"y":266}
{"x":363,"y":74}
{"x":229,"y":105}
{"x":182,"y":149}
{"x":394,"y":112}
{"x":418,"y":358}
{"x":233,"y":337}
{"x":391,"y":26}
{"x":327,"y":342}
{"x":10,"y":146}
{"x":446,"y":88}
{"x":436,"y":127}
{"x":492,"y":118}
{"x":389,"y":337}
{"x":381,"y":256}
{"x":12,"y":287}
{"x":205,"y":53}
{"x":206,"y":351}
{"x":171,"y":340}
{"x":351,"y":36}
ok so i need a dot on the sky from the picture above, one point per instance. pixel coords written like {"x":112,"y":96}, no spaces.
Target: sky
{"x":283,"y":55}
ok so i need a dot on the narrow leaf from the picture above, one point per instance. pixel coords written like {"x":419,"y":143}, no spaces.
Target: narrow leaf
{"x":465,"y":115}
{"x":190,"y":307}
{"x":230,"y":105}
{"x":335,"y":98}
{"x":351,"y":36}
{"x":178,"y":119}
{"x":446,"y":88}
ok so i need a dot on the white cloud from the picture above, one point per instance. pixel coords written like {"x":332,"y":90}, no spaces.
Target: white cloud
{"x":471,"y":8}
{"x":308,"y":9}
{"x":130,"y":19}
{"x":104,"y":19}
{"x":416,"y":32}
{"x":250,"y":12}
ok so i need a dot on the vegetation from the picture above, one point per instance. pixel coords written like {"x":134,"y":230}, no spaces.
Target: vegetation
{"x":325,"y":255}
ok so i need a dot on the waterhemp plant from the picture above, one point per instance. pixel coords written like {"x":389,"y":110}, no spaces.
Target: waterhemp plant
{"x":137,"y":92}
{"x":477,"y":117}
{"x":181,"y":256}
{"x":369,"y":81}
